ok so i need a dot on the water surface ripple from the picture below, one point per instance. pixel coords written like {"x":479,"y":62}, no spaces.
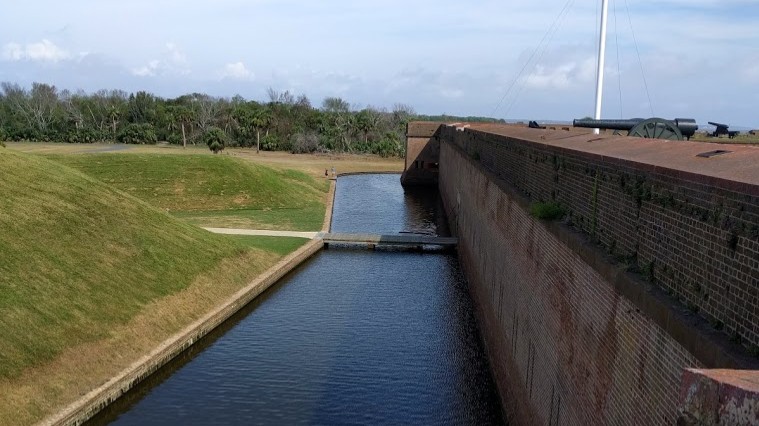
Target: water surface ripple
{"x":351,"y":337}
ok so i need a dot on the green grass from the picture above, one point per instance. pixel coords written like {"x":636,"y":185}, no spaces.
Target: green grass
{"x":280,"y":245}
{"x":212,"y":190}
{"x":78,"y":257}
{"x":547,"y":211}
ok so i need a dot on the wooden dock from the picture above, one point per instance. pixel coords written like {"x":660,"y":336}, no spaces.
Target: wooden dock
{"x":393,"y":240}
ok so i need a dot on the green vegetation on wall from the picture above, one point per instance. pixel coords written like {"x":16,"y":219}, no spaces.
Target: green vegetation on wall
{"x":547,"y":211}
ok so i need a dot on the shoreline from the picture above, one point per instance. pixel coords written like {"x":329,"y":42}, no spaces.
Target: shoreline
{"x":97,"y":399}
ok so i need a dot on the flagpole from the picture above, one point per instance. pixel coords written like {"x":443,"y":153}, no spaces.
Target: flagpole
{"x":601,"y":61}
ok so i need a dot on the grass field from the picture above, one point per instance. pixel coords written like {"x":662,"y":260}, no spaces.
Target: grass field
{"x":232,"y":190}
{"x":212,"y":190}
{"x":743,"y":138}
{"x":278,"y":245}
{"x":312,"y":164}
{"x":97,"y":270}
{"x":92,"y":278}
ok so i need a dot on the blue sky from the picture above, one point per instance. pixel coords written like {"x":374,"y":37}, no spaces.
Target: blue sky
{"x":700,"y":58}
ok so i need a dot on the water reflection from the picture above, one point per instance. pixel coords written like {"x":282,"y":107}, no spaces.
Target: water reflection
{"x":352,"y":337}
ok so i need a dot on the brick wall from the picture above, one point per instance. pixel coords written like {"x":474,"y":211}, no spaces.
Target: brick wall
{"x":422,"y":154}
{"x":565,"y":346}
{"x":693,"y":235}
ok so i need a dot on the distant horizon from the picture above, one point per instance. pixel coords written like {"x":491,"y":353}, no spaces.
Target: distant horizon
{"x":527,"y":58}
{"x":317,"y":104}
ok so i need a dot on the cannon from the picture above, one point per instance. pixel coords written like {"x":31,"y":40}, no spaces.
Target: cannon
{"x":657,"y":128}
{"x":722,"y":129}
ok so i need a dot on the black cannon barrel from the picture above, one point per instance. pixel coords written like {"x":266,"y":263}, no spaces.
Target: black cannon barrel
{"x":718,"y":124}
{"x":606,"y":124}
{"x":687,"y":126}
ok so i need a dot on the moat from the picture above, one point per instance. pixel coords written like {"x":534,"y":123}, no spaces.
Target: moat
{"x":350,"y":337}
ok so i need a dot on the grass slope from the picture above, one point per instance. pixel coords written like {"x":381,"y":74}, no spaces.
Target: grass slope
{"x":79,"y":257}
{"x":212,"y":190}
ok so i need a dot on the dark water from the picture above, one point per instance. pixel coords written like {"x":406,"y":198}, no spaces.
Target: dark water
{"x":351,"y":337}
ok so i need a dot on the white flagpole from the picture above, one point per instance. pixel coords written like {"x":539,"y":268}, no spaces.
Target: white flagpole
{"x":601,"y":60}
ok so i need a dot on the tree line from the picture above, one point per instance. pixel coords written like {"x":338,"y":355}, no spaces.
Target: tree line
{"x":284,"y":122}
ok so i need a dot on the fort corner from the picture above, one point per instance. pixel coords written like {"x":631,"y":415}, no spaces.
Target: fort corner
{"x":601,"y":317}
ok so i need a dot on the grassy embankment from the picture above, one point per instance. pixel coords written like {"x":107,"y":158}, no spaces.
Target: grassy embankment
{"x":743,"y":138}
{"x":212,"y":190}
{"x":91,"y":278}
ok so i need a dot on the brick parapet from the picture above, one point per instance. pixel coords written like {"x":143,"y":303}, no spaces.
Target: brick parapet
{"x":566,"y":345}
{"x":694,"y":235}
{"x":719,"y":397}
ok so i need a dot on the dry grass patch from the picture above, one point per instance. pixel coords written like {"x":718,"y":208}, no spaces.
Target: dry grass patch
{"x":316,"y":164}
{"x":41,"y":390}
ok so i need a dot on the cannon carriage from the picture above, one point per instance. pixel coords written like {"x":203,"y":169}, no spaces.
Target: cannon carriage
{"x":723,"y":129}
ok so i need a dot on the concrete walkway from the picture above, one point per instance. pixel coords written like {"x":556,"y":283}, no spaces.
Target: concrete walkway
{"x":264,"y":232}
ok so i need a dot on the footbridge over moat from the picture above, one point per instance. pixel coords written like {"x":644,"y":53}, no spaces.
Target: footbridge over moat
{"x":402,"y":239}
{"x":399,"y":240}
{"x":640,"y":304}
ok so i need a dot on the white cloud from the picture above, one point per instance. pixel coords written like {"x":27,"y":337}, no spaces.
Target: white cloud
{"x":236,"y":70}
{"x":176,"y":56}
{"x":13,"y":52}
{"x":42,"y":51}
{"x":148,"y":70}
{"x":564,"y":76}
{"x":174,"y":63}
{"x":345,"y":54}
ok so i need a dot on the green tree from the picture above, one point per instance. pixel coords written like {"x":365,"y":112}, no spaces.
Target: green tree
{"x":179,"y":116}
{"x":338,"y":123}
{"x":244,"y":119}
{"x":261,"y":120}
{"x":141,"y":108}
{"x":137,"y":133}
{"x":216,"y":139}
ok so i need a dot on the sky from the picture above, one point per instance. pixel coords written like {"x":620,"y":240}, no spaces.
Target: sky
{"x":516,"y":59}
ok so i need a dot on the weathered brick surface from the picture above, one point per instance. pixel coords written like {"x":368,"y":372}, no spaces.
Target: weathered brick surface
{"x":696,"y":236}
{"x":566,"y":348}
{"x":422,"y":155}
{"x":719,"y":397}
{"x":422,"y":129}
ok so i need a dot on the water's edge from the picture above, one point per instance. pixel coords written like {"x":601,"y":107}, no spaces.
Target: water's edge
{"x":89,"y":405}
{"x":464,"y":395}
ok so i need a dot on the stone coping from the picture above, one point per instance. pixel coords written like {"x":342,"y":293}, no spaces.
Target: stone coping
{"x":733,"y":170}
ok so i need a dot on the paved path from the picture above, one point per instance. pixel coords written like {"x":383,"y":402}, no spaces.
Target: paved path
{"x":265,"y":232}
